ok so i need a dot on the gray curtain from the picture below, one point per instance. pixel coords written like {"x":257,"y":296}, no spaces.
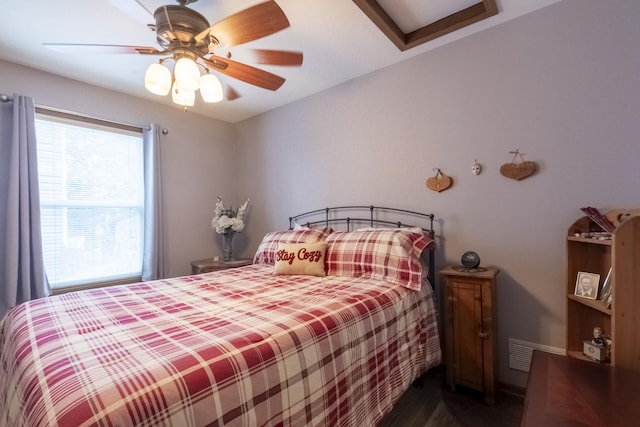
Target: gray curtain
{"x":22,"y":276}
{"x":153,"y":264}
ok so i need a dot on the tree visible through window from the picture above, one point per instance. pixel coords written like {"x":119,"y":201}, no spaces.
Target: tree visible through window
{"x":91,"y":200}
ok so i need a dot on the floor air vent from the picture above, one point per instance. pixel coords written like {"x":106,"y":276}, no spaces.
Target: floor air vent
{"x":521,"y":352}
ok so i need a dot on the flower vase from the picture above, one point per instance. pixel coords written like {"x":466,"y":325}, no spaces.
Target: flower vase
{"x":227,"y":246}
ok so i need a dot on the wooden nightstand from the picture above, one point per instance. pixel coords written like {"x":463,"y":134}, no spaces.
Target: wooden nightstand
{"x":471,"y":329}
{"x":208,"y":264}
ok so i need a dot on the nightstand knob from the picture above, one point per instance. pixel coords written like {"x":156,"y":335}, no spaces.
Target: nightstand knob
{"x":483,"y":335}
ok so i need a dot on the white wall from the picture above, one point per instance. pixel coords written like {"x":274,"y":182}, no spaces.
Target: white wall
{"x":198,"y":154}
{"x":561,"y":84}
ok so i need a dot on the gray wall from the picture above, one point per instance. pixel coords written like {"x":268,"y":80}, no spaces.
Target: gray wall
{"x":198,"y":154}
{"x":561,"y":84}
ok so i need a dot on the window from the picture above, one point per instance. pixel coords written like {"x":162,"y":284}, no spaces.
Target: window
{"x":91,"y":199}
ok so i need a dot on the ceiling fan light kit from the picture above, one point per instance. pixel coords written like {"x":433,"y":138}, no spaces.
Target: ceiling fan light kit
{"x":186,"y":98}
{"x":157,"y":79}
{"x":187,"y":74}
{"x":187,"y":38}
{"x":211,"y":88}
{"x":186,"y":81}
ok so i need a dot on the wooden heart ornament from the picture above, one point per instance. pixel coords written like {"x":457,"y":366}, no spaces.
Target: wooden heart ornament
{"x":439,"y":182}
{"x":518,"y":171}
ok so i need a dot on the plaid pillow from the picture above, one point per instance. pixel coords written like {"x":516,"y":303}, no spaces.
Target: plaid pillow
{"x":268,"y":248}
{"x":392,"y":255}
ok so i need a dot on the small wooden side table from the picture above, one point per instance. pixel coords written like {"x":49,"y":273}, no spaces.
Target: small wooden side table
{"x":471,"y":329}
{"x":208,"y":264}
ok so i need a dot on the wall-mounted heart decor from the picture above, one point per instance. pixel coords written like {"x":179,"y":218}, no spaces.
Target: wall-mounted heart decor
{"x":518,"y":170}
{"x":440,"y":182}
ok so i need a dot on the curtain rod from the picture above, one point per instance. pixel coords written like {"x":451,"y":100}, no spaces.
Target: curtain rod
{"x":60,"y":112}
{"x":8,"y":98}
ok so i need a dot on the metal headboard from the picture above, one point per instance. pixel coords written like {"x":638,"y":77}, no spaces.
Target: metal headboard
{"x":356,"y":215}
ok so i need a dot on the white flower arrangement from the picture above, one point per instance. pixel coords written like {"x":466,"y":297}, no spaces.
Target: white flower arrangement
{"x":227,"y":220}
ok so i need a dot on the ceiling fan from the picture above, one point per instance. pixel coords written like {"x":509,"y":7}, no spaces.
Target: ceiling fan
{"x":186,"y":37}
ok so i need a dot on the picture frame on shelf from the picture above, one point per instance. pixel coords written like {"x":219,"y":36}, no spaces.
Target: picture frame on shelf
{"x":587,"y":285}
{"x":606,"y":293}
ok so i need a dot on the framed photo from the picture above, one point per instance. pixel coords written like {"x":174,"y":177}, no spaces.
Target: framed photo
{"x":587,"y":285}
{"x":607,"y":290}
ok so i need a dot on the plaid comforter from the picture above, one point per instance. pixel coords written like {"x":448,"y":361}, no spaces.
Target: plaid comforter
{"x":240,"y":347}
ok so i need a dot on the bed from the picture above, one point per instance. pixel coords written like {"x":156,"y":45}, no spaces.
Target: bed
{"x":324,"y":328}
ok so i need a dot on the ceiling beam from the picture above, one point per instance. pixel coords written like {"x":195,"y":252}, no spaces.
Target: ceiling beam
{"x":448,"y":24}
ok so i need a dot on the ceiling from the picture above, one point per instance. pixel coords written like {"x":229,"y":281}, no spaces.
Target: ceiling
{"x":338,"y":40}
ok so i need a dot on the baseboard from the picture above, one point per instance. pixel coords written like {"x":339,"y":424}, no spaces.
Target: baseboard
{"x":512,"y":389}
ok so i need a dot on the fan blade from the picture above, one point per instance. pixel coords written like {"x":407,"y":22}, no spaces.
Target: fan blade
{"x":250,"y":24}
{"x":134,"y":9}
{"x":102,"y":48}
{"x":243,"y":72}
{"x":273,"y":57}
{"x":231,"y":94}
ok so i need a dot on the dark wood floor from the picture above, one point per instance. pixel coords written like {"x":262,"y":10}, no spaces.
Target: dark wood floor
{"x":433,"y":405}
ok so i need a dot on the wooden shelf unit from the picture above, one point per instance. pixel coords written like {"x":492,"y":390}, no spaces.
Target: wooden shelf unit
{"x":622,"y":320}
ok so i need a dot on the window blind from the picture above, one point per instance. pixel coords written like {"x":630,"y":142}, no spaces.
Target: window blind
{"x":91,"y":198}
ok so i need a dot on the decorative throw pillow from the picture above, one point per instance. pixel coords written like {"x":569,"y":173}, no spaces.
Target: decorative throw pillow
{"x":386,"y":254}
{"x":301,"y":258}
{"x":266,"y":253}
